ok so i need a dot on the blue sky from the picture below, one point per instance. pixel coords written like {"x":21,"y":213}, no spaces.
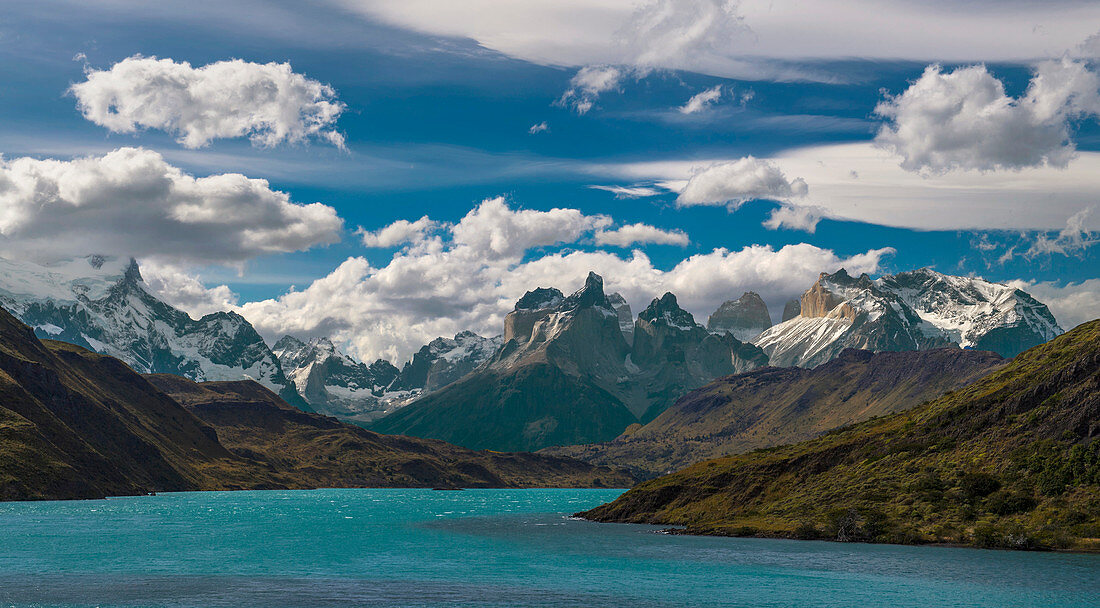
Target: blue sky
{"x":437,"y":114}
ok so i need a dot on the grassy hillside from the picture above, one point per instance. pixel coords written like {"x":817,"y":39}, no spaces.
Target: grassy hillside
{"x":305,"y":450}
{"x":527,"y":408}
{"x":74,"y":424}
{"x":775,"y":406}
{"x":1011,"y":460}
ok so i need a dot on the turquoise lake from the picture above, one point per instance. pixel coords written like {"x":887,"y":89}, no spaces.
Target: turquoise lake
{"x":473,"y":548}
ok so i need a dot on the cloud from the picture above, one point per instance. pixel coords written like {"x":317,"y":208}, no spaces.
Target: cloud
{"x":178,"y":287}
{"x":470,"y":275}
{"x":131,"y":202}
{"x":541,"y":127}
{"x":795,"y":217}
{"x":963,"y":120}
{"x":588,"y":84}
{"x":759,"y":39}
{"x":399,"y":232}
{"x":629,"y":191}
{"x":1072,"y":303}
{"x":665,"y":33}
{"x":732,"y":183}
{"x":641,"y":233}
{"x":497,"y":231}
{"x":700,"y":101}
{"x":268,"y":103}
{"x":1038,"y":198}
{"x":1072,"y":239}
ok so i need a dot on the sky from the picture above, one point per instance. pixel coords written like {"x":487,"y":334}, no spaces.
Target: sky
{"x":389,"y":172}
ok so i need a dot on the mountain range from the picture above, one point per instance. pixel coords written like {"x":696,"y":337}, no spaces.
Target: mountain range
{"x":566,"y":374}
{"x":915,"y":310}
{"x":565,"y":370}
{"x":78,"y":424}
{"x":1011,"y":460}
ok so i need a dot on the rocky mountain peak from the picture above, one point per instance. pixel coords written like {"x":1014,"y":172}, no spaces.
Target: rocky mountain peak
{"x":540,"y":298}
{"x":132,"y":274}
{"x":666,"y":310}
{"x":745,"y":317}
{"x":589,"y":296}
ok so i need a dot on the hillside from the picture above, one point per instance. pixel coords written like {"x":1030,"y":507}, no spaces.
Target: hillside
{"x":77,"y":424}
{"x":74,"y":424}
{"x":776,"y":406}
{"x":1011,"y":460}
{"x":306,"y":450}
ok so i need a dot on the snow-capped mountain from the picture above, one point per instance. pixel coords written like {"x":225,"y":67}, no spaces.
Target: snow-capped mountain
{"x":332,"y":382}
{"x":745,"y":317}
{"x":445,"y":360}
{"x":102,"y":304}
{"x":914,"y":310}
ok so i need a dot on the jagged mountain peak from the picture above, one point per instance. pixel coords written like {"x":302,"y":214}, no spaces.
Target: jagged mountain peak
{"x":666,"y":310}
{"x":133,"y":272}
{"x":540,"y":298}
{"x":591,"y":295}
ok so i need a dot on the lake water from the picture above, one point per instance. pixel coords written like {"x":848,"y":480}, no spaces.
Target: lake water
{"x":473,"y":548}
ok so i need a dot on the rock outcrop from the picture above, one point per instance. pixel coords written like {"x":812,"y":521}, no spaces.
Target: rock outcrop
{"x":745,"y":317}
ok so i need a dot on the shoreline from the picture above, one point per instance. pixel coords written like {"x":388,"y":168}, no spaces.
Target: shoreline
{"x":687,"y":531}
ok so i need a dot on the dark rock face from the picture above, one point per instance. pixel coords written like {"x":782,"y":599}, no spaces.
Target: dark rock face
{"x":626,"y":318}
{"x":791,"y":310}
{"x":916,"y":310}
{"x":745,"y":317}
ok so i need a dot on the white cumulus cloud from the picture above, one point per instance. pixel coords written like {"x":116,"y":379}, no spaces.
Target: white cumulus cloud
{"x":964,"y":119}
{"x":268,"y":103}
{"x":537,"y":128}
{"x":470,"y":275}
{"x":734,"y":182}
{"x":796,"y":217}
{"x":399,"y":232}
{"x":131,"y":202}
{"x":630,"y":234}
{"x":186,"y":291}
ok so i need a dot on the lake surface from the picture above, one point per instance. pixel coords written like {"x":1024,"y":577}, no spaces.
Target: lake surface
{"x":473,"y":548}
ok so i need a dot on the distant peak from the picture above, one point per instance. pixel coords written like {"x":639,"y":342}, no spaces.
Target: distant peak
{"x":667,"y":310}
{"x":288,"y":341}
{"x":540,"y":298}
{"x":590,"y":295}
{"x":133,"y":273}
